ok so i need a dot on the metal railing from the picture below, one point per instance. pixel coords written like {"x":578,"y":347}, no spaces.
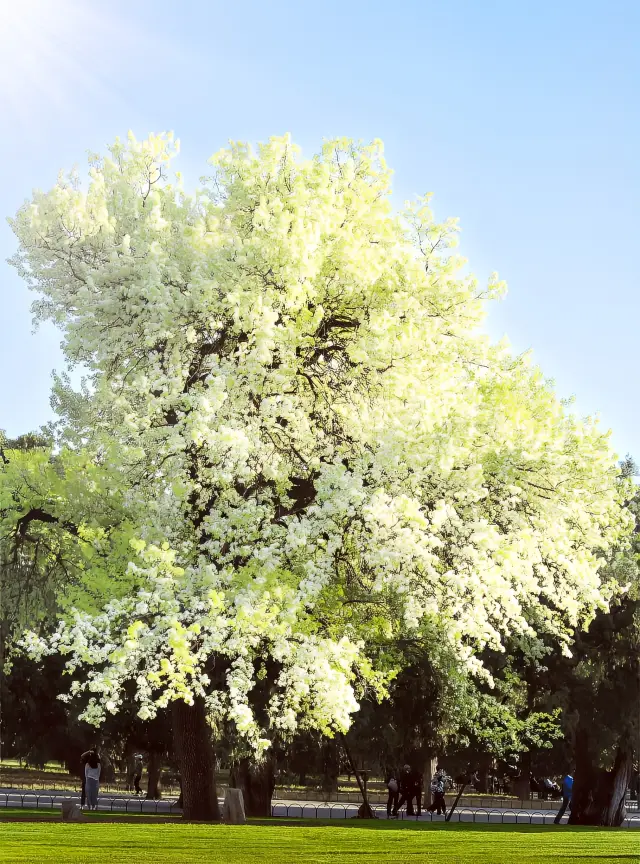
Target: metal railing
{"x":481,"y":815}
{"x":106,"y":803}
{"x":72,"y":785}
{"x":124,"y":805}
{"x":379,"y":796}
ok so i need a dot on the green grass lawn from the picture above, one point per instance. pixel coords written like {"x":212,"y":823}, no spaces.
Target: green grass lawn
{"x":313,"y":844}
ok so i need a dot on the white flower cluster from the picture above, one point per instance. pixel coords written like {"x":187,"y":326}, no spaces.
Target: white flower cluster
{"x":163,"y":639}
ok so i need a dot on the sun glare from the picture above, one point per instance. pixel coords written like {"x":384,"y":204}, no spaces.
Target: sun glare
{"x":45,"y":54}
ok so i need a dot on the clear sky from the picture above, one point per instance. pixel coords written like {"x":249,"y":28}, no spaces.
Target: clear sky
{"x":522,"y":117}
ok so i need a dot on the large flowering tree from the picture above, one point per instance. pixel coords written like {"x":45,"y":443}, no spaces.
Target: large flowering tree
{"x":320,"y":445}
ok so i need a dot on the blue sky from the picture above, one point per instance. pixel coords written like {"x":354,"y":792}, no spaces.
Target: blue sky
{"x":521,"y":117}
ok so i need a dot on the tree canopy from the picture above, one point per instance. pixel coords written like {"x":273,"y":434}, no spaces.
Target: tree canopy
{"x":316,"y":448}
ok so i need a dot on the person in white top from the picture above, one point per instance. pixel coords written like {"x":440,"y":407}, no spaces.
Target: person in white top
{"x":92,"y":778}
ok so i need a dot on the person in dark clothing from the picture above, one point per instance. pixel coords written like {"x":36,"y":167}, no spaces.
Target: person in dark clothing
{"x":137,"y":774}
{"x":438,"y":786}
{"x":415,"y":781}
{"x":403,"y":789}
{"x":567,"y":791}
{"x":410,"y":788}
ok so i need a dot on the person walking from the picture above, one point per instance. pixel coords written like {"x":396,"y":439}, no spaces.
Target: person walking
{"x":405,"y":787}
{"x":567,"y":791}
{"x":92,"y":778}
{"x":416,"y":783}
{"x":392,"y":800}
{"x":137,"y":773}
{"x":438,"y":786}
{"x":410,"y":789}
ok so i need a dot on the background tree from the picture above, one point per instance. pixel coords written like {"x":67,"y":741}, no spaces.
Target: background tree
{"x":605,"y":696}
{"x":63,"y":531}
{"x":428,"y":702}
{"x":604,"y":693}
{"x":36,"y":725}
{"x":132,"y":735}
{"x":595,"y":691}
{"x":27,"y":581}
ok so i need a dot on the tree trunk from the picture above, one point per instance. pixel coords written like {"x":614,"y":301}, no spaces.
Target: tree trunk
{"x":430,"y":766}
{"x":365,"y":811}
{"x":155,"y":770}
{"x":107,"y":772}
{"x":194,"y":750}
{"x":130,"y":766}
{"x":484,"y":767}
{"x":448,"y":815}
{"x":330,"y":768}
{"x":72,"y":760}
{"x":257,"y":781}
{"x":598,"y":795}
{"x":522,"y":783}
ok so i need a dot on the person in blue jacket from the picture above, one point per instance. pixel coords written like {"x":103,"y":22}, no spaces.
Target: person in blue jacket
{"x":567,"y":790}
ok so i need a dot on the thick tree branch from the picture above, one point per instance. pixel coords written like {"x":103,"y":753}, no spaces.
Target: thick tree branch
{"x":36,"y":514}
